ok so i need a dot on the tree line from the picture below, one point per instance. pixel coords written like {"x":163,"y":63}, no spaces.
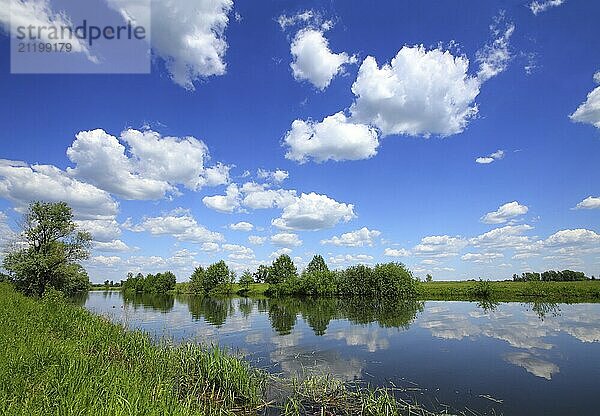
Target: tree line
{"x":551,"y":276}
{"x":388,"y":280}
{"x":151,"y":283}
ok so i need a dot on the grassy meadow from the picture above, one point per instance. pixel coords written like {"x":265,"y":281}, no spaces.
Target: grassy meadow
{"x":580,"y":291}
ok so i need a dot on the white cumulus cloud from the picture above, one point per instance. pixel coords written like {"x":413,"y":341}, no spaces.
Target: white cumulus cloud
{"x":504,"y":213}
{"x":396,"y":252}
{"x":335,"y":138}
{"x":313,"y":60}
{"x":357,"y":238}
{"x":314,"y":212}
{"x":241,"y":226}
{"x":589,"y":111}
{"x":149,"y":168}
{"x":188,"y":35}
{"x":286,"y":240}
{"x":591,"y":202}
{"x":179,"y":224}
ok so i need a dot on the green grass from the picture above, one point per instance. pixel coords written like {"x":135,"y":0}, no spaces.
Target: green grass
{"x":580,"y":291}
{"x":59,"y":359}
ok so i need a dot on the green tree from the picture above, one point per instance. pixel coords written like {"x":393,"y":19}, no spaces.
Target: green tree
{"x":317,"y":264}
{"x":164,"y":282}
{"x":197,"y":281}
{"x":262,"y":274}
{"x":282,"y":270}
{"x":429,"y":278}
{"x":218,"y":277}
{"x":246,"y":280}
{"x":53,"y":246}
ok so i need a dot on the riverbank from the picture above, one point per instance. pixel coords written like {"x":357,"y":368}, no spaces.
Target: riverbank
{"x":58,"y":358}
{"x":508,"y":291}
{"x":501,"y":291}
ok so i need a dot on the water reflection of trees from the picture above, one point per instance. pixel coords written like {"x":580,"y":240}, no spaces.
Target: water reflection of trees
{"x":160,"y":302}
{"x":318,"y":313}
{"x":283,"y":312}
{"x":544,"y":309}
{"x":214,"y":310}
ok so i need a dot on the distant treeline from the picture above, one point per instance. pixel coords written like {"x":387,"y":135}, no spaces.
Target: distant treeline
{"x":152,"y":283}
{"x":389,"y":280}
{"x":551,"y":276}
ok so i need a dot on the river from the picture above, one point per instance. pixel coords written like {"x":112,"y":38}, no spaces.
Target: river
{"x":506,"y":358}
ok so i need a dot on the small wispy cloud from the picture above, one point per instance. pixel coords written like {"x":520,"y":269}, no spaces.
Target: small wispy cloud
{"x":537,"y":7}
{"x":485,"y":160}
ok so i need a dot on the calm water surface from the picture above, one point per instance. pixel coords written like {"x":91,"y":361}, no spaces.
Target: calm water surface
{"x":508,"y":358}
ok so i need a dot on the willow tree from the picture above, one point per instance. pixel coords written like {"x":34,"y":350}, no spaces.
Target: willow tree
{"x":50,"y":252}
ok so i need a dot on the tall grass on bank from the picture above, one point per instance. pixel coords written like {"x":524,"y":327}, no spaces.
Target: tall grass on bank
{"x":59,"y":359}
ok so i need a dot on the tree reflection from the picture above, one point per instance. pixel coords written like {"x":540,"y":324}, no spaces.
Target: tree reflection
{"x":214,"y":310}
{"x":544,"y":309}
{"x":160,"y":302}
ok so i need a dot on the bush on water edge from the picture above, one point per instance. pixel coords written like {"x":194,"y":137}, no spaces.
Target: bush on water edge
{"x":59,"y":358}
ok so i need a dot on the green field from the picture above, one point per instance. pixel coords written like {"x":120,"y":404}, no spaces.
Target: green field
{"x":580,"y":291}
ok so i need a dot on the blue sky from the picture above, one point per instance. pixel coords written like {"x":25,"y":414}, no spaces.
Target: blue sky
{"x":371,"y":126}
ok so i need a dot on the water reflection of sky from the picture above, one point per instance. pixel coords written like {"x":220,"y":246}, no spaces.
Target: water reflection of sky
{"x":539,"y":359}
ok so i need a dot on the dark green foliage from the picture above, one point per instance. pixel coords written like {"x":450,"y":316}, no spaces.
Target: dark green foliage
{"x":262,"y":274}
{"x":282,"y":270}
{"x":218,"y":279}
{"x":551,"y":276}
{"x":429,"y":278}
{"x":152,"y":283}
{"x":482,"y":290}
{"x":317,"y":264}
{"x":53,"y":247}
{"x":197,"y":281}
{"x":246,"y":280}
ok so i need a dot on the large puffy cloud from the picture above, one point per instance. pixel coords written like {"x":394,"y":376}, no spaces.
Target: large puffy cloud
{"x":21,"y":184}
{"x":591,"y":202}
{"x":589,"y":111}
{"x":420,"y":92}
{"x":155,"y":166}
{"x":504,"y":213}
{"x":189,"y":35}
{"x":313,"y":61}
{"x":335,"y":138}
{"x":314,"y":212}
{"x":286,"y":240}
{"x":510,"y":236}
{"x":357,"y":238}
{"x":38,"y":13}
{"x":577,"y":237}
{"x":179,"y":224}
{"x":259,"y":196}
{"x":224,"y":203}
